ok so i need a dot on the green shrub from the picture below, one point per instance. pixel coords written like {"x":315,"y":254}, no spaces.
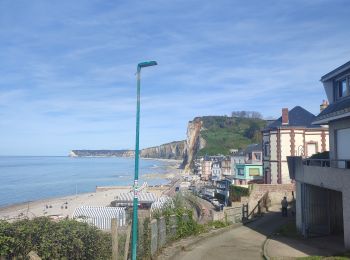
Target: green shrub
{"x":67,"y":239}
{"x":323,"y":155}
{"x":218,"y":224}
{"x":223,"y":133}
{"x":237,"y":192}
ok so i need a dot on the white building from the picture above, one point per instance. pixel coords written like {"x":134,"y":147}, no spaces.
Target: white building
{"x":292,"y":134}
{"x":323,"y":186}
{"x":216,"y":173}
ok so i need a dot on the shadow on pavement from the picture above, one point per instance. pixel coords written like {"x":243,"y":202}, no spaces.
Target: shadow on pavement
{"x":271,"y":222}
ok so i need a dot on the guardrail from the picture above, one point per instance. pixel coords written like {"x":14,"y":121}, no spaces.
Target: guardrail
{"x":342,"y":164}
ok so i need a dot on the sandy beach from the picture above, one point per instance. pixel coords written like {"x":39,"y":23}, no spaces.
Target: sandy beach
{"x":64,"y":206}
{"x":103,"y":196}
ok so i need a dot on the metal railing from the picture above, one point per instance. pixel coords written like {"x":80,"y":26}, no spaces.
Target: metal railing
{"x":342,"y":164}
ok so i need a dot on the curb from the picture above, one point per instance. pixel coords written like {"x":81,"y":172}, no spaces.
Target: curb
{"x":264,"y":248}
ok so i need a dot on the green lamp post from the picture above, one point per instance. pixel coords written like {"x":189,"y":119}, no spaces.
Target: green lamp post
{"x":136,"y":177}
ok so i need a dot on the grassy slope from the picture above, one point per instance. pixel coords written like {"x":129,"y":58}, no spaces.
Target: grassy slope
{"x":224,"y":133}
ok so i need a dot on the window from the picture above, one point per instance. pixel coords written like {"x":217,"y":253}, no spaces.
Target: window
{"x":254,"y":172}
{"x":342,"y":89}
{"x":311,"y":149}
{"x":257,"y":156}
{"x":241,"y":171}
{"x":267,"y":149}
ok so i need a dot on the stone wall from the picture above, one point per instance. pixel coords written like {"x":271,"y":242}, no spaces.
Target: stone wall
{"x":275,"y":192}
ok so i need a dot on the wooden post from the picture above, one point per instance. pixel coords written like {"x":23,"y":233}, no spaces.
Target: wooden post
{"x":127,"y":243}
{"x":114,"y":228}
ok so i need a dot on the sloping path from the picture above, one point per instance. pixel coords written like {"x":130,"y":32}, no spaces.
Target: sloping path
{"x":243,"y":242}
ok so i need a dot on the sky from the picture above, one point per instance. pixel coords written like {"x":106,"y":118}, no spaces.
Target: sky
{"x":67,"y":68}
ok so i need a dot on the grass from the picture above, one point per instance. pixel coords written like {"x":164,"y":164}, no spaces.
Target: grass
{"x":223,"y":133}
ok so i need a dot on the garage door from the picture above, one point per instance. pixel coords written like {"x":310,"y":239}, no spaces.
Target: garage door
{"x":343,"y":144}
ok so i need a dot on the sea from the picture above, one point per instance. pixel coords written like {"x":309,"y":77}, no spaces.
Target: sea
{"x":29,"y":178}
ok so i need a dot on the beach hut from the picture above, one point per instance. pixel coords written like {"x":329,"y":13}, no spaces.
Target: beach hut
{"x":161,"y":203}
{"x":100,"y":216}
{"x":145,"y":199}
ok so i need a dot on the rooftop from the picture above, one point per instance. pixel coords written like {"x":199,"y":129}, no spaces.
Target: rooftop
{"x":336,"y":72}
{"x":298,"y":117}
{"x":336,"y":110}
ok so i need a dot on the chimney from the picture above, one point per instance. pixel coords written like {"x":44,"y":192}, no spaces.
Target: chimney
{"x":285,"y":120}
{"x":324,"y":105}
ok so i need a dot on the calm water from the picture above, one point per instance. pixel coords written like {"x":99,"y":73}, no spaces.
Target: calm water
{"x":32,"y":178}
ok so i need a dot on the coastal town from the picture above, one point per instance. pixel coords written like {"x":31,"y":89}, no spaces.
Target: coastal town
{"x":175,"y":130}
{"x":301,"y":159}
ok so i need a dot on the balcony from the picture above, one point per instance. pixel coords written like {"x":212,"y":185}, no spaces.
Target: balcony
{"x":331,"y":174}
{"x":342,"y":164}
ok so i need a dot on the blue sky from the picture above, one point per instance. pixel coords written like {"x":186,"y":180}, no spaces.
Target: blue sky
{"x":67,"y":67}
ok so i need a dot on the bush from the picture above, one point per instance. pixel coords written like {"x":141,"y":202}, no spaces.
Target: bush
{"x":67,"y":239}
{"x":218,"y":224}
{"x":323,"y":155}
{"x":237,"y":192}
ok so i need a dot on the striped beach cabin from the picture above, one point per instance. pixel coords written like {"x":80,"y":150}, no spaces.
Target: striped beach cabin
{"x":100,"y":217}
{"x":145,"y":199}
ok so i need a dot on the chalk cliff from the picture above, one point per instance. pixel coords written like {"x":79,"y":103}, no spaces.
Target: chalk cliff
{"x":180,"y":150}
{"x":194,"y":142}
{"x":173,"y":150}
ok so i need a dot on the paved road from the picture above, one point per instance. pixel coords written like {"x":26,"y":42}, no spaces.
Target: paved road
{"x":244,"y":242}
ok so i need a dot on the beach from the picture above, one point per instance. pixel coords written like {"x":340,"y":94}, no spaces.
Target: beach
{"x":64,"y":206}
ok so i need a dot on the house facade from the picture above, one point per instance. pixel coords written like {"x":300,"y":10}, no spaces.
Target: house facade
{"x":323,"y":186}
{"x":291,"y":135}
{"x":216,"y":171}
{"x":206,"y":170}
{"x":226,"y":167}
{"x":248,"y":165}
{"x":247,"y":173}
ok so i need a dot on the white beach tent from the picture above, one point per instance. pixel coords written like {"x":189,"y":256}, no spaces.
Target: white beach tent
{"x":100,"y":217}
{"x":160,"y":203}
{"x":143,"y":197}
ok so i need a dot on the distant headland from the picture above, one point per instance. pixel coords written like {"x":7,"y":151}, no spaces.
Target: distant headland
{"x":102,"y":153}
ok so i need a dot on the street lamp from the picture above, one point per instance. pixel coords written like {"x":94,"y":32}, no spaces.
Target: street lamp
{"x":136,"y":177}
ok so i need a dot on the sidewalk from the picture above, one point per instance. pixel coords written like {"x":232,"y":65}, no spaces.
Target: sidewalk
{"x":281,"y":247}
{"x":240,"y":242}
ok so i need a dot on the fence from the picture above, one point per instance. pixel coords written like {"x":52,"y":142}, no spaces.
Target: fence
{"x":160,"y":232}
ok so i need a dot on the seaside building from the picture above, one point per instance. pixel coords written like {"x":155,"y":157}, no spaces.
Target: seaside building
{"x":323,"y":185}
{"x":248,"y":165}
{"x":237,"y":158}
{"x":216,"y":173}
{"x":226,"y":166}
{"x":206,"y":169}
{"x":198,"y":166}
{"x":291,"y":134}
{"x":223,"y":190}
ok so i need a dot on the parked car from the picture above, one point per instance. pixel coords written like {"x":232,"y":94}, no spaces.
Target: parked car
{"x":216,"y":204}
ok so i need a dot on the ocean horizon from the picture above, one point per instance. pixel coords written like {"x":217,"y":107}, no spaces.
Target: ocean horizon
{"x":30,"y":178}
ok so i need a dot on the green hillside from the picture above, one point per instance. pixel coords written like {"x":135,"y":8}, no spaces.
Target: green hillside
{"x":223,"y":133}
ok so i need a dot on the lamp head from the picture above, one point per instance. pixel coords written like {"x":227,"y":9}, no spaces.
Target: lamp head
{"x":146,"y":64}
